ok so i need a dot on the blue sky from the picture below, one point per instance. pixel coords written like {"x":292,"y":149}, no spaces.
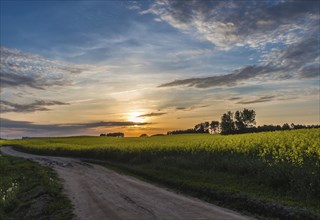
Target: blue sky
{"x":117,"y":62}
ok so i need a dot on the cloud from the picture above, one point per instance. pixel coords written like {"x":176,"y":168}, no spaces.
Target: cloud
{"x":185,"y":55}
{"x":38,"y":105}
{"x":232,"y":79}
{"x":278,"y":95}
{"x":295,"y":55}
{"x":191,"y":108}
{"x":309,"y":71}
{"x":229,"y":24}
{"x":287,"y":31}
{"x":107,"y":124}
{"x":152,"y":114}
{"x":20,"y":68}
{"x":133,"y":5}
{"x":298,"y":61}
{"x":258,"y":100}
{"x":234,"y":98}
{"x":7,"y":124}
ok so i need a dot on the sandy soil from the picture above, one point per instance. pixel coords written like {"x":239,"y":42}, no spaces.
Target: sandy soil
{"x":102,"y":194}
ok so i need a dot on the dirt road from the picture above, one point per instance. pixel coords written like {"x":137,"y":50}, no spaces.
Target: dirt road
{"x":102,"y":194}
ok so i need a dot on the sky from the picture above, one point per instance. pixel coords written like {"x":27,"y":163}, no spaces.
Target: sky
{"x":91,"y":67}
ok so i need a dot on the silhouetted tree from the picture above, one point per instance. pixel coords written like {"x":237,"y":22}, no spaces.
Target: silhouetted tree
{"x":144,"y":135}
{"x":115,"y":134}
{"x":157,"y":135}
{"x":188,"y":131}
{"x":227,"y":123}
{"x":244,"y":119}
{"x":202,"y":127}
{"x":214,"y":126}
{"x":285,"y":126}
{"x":199,"y":128}
{"x":239,"y":122}
{"x":249,"y":118}
{"x":206,"y":126}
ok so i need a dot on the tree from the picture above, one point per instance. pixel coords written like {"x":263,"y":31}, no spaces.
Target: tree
{"x":249,"y":118}
{"x":214,"y":126}
{"x":202,"y":127}
{"x":188,"y":131}
{"x":227,"y":124}
{"x":199,"y":128}
{"x":144,"y":135}
{"x":115,"y":134}
{"x":239,"y":121}
{"x":285,"y":126}
{"x":206,"y":127}
{"x":245,"y":119}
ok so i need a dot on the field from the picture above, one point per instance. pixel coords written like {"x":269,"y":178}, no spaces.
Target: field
{"x":30,"y":191}
{"x":261,"y":173}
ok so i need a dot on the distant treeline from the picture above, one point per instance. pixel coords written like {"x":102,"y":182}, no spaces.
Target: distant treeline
{"x":264,"y":128}
{"x":154,"y":135}
{"x":115,"y":134}
{"x":237,"y":123}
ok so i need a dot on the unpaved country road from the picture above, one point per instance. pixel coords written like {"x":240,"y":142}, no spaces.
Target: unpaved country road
{"x":101,"y":194}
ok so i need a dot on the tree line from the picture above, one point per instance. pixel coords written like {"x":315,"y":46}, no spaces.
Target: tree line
{"x":238,"y":122}
{"x":115,"y":134}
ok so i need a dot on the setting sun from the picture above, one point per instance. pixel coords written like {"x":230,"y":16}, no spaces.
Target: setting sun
{"x":136,"y":117}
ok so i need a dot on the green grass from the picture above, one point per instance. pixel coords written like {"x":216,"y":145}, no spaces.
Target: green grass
{"x":240,"y":171}
{"x":30,"y":191}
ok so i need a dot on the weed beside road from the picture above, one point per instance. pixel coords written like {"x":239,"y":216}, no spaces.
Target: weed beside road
{"x":31,"y":191}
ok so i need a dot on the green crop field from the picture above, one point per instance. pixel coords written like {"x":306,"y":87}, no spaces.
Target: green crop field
{"x":280,"y":167}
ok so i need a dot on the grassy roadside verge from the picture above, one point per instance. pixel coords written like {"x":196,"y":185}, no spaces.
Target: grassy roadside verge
{"x":222,"y":189}
{"x":30,"y":191}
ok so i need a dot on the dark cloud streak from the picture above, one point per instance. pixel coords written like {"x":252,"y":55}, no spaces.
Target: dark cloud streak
{"x":152,"y":114}
{"x":38,"y":105}
{"x":228,"y":80}
{"x":258,"y":100}
{"x":191,"y":107}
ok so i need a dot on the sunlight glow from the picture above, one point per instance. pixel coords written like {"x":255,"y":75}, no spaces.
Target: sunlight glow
{"x":134,"y":117}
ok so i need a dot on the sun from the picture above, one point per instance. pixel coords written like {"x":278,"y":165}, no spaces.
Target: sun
{"x":134,"y":117}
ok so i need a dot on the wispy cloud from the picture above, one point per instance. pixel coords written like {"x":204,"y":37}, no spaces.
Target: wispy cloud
{"x":20,"y":68}
{"x":236,"y":23}
{"x":133,"y":5}
{"x":152,"y":114}
{"x":191,"y":107}
{"x":277,"y":95}
{"x":38,"y":105}
{"x":234,"y":98}
{"x":258,"y":100}
{"x":309,"y":71}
